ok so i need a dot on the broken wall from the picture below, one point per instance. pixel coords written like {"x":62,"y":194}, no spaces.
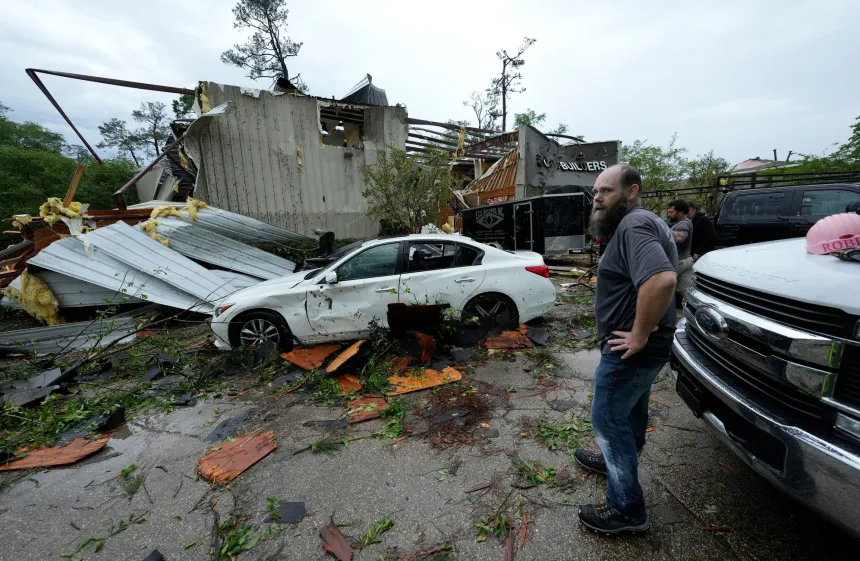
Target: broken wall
{"x":265,"y":158}
{"x":549,"y":167}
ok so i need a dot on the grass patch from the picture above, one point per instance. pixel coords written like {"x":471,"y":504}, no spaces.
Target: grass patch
{"x":325,"y":445}
{"x":327,"y":390}
{"x":235,"y":539}
{"x":129,"y":482}
{"x":375,"y":375}
{"x":395,"y":410}
{"x":372,"y":535}
{"x":536,"y":474}
{"x":563,"y":436}
{"x":500,"y":527}
{"x":272,"y":504}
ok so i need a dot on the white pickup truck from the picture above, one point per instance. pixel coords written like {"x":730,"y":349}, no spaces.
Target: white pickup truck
{"x":768,"y":354}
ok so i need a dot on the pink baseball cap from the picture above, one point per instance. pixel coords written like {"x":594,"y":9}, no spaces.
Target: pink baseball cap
{"x":834,"y":233}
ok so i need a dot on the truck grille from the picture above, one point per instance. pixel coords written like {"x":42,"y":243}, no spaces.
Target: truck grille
{"x":758,"y":381}
{"x":808,"y":317}
{"x":848,"y":382}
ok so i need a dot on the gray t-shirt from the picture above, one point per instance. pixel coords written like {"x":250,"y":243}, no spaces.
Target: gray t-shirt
{"x":684,"y":247}
{"x":641,"y":247}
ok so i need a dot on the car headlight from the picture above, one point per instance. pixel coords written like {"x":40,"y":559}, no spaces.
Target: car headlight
{"x":222,"y":308}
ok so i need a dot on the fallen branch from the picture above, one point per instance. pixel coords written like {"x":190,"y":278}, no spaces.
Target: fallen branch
{"x":444,"y":547}
{"x":721,"y":464}
{"x":658,"y":402}
{"x":524,"y":531}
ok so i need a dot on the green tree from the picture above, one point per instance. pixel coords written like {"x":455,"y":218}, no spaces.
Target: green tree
{"x":265,"y":53}
{"x":846,"y":157}
{"x":537,"y":120}
{"x":115,"y":134}
{"x":155,"y":133}
{"x":182,"y":107}
{"x":662,"y":167}
{"x":408,"y":191}
{"x":28,"y":135}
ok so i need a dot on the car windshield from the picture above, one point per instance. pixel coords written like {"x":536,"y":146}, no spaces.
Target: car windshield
{"x":335,"y":256}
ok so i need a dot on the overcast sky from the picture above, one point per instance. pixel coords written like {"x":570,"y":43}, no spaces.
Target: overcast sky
{"x":738,"y":77}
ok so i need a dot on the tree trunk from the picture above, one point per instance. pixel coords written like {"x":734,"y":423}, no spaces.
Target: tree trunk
{"x":504,"y":97}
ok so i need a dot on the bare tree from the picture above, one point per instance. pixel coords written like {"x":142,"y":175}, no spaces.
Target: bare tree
{"x":508,"y":81}
{"x":265,"y":53}
{"x":486,"y":109}
{"x":155,"y":131}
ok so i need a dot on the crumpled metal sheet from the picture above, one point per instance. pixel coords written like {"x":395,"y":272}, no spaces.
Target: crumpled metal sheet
{"x":196,"y":241}
{"x":237,"y":280}
{"x":73,"y":293}
{"x":416,"y":380}
{"x":62,"y":455}
{"x":226,"y":461}
{"x":81,"y":336}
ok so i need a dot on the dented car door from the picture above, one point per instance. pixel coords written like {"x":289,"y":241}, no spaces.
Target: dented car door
{"x":442,"y":272}
{"x":366,"y":283}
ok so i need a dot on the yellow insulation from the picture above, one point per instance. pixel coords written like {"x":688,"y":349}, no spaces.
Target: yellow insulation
{"x":53,"y":210}
{"x":21,"y":220}
{"x":205,"y":104}
{"x":149,"y":227}
{"x":37,"y":299}
{"x":164,"y":212}
{"x":194,"y":206}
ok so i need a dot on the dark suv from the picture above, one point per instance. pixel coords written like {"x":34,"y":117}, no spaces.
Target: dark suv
{"x":760,"y":215}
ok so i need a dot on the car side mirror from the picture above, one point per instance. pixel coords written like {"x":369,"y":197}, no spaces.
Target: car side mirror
{"x":853,"y":207}
{"x":331,"y":277}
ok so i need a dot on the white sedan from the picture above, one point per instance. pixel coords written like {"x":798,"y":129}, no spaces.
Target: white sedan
{"x":340,"y":301}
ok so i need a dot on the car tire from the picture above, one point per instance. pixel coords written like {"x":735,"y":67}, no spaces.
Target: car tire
{"x":261,"y":325}
{"x":497,"y":309}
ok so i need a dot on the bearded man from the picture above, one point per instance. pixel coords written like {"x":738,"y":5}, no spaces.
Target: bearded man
{"x":635,"y":314}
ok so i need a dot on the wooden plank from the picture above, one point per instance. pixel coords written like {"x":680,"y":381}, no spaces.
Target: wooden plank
{"x":73,"y":186}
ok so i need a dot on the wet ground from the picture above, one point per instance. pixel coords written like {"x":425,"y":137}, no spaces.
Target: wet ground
{"x":705,"y":504}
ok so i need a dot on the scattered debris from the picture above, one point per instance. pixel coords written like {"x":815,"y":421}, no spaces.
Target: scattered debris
{"x":456,"y":416}
{"x":310,"y":358}
{"x":347,"y":354}
{"x":365,"y":408}
{"x":372,"y":534}
{"x":428,"y":346}
{"x":28,"y":398}
{"x":562,"y":404}
{"x":335,"y":543}
{"x":404,"y":317}
{"x":348,"y":383}
{"x":62,"y":455}
{"x":510,"y":340}
{"x":524,"y":530}
{"x":100,"y":422}
{"x":418,"y":379}
{"x":285,"y":512}
{"x":538,"y":336}
{"x":225,"y":462}
{"x":226,"y":428}
{"x":461,"y":355}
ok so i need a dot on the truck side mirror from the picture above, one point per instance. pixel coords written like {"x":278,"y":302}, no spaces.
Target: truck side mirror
{"x":331,"y":277}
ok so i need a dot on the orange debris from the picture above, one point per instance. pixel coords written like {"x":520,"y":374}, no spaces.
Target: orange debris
{"x":399,"y":364}
{"x":228,"y":459}
{"x":365,"y":408}
{"x":428,"y":345}
{"x":524,"y":329}
{"x":415,"y":380}
{"x":310,"y":358}
{"x":348,"y":383}
{"x":510,"y":340}
{"x":344,"y":356}
{"x":62,"y":455}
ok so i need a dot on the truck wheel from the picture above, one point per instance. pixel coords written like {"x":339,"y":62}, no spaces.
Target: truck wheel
{"x":257,"y":327}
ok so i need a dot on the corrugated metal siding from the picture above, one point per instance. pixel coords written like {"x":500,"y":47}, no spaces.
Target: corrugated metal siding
{"x":80,"y":336}
{"x":501,"y":175}
{"x":193,"y":241}
{"x":250,"y":165}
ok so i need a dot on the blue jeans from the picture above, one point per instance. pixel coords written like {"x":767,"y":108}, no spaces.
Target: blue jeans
{"x":619,"y":414}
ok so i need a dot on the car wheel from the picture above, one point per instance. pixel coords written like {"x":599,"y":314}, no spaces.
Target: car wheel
{"x":496,"y":309}
{"x":255,"y":328}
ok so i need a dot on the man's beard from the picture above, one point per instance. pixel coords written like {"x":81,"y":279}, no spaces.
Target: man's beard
{"x":605,"y":221}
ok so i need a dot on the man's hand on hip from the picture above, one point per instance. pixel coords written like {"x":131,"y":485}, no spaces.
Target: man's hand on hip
{"x":628,"y":342}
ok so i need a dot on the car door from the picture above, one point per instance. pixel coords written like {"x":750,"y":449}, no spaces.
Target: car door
{"x":441,"y":272}
{"x":811,"y":205}
{"x":367,"y":283}
{"x":762,"y":216}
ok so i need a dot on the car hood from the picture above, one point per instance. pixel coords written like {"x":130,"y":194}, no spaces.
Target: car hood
{"x":783,"y":268}
{"x":281,"y":283}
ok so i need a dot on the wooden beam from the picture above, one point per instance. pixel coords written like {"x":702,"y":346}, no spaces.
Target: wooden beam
{"x":448,"y":126}
{"x":431,"y":139}
{"x":73,"y":186}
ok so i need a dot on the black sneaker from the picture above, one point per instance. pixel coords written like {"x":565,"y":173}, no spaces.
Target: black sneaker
{"x":590,"y":460}
{"x":604,"y":518}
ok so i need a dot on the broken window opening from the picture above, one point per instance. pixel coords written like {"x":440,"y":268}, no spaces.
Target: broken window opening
{"x":342,"y":126}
